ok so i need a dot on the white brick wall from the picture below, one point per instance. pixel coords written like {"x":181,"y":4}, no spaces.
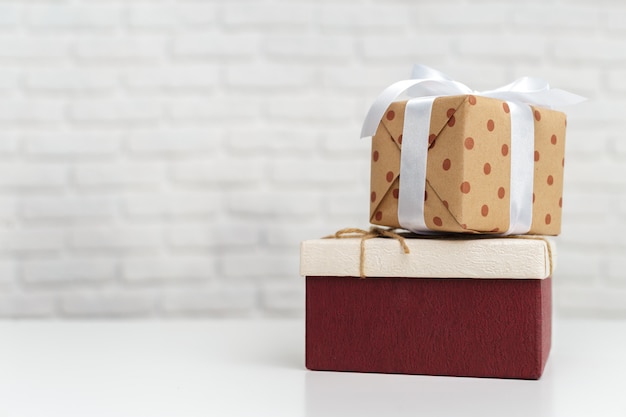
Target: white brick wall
{"x":165,"y":158}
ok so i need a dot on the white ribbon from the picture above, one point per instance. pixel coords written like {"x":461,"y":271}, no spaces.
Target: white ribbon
{"x":426,"y":84}
{"x":413,"y":175}
{"x":522,"y":168}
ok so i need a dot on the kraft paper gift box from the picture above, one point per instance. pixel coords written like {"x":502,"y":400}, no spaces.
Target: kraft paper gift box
{"x":458,"y":307}
{"x":468,"y":171}
{"x":478,"y":152}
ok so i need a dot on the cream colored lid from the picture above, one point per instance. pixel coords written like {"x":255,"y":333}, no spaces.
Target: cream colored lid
{"x":514,"y":258}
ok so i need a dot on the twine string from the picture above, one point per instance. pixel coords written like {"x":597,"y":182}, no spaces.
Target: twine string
{"x":374,"y":232}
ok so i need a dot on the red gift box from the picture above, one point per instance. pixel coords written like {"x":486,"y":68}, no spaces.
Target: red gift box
{"x":456,"y":307}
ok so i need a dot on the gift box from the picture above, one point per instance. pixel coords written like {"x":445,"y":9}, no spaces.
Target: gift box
{"x":458,"y":307}
{"x":468,"y":172}
{"x":452,"y":160}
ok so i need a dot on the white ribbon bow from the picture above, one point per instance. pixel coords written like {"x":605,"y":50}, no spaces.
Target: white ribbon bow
{"x":426,"y":81}
{"x":427,"y":84}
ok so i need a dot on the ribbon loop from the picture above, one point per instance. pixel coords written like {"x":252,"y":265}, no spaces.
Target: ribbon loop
{"x":428,"y":81}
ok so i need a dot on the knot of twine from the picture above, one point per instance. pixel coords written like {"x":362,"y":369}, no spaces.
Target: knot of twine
{"x":374,"y":232}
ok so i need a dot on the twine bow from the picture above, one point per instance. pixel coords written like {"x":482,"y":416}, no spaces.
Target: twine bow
{"x":374,"y":232}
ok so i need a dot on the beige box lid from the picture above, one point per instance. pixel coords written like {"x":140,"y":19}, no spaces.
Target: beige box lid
{"x":484,"y":258}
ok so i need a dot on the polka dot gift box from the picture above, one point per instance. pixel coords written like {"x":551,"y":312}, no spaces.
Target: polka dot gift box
{"x":448,"y":159}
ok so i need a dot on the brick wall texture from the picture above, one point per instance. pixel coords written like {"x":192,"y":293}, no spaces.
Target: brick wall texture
{"x":165,"y":158}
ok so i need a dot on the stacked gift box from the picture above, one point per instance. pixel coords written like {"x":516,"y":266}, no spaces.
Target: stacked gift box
{"x":468,"y":185}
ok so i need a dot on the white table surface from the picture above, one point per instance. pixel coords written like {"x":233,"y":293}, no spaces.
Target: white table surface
{"x":256,"y":368}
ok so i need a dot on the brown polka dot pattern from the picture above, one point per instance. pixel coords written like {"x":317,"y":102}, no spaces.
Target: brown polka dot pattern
{"x":375,"y":156}
{"x":390,"y":115}
{"x":467,"y":166}
{"x":467,"y":187}
{"x":548,"y":181}
{"x":373,"y":196}
{"x":384,"y":145}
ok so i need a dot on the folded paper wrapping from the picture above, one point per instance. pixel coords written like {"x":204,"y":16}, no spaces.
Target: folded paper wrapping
{"x":489,"y":258}
{"x":468,"y":167}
